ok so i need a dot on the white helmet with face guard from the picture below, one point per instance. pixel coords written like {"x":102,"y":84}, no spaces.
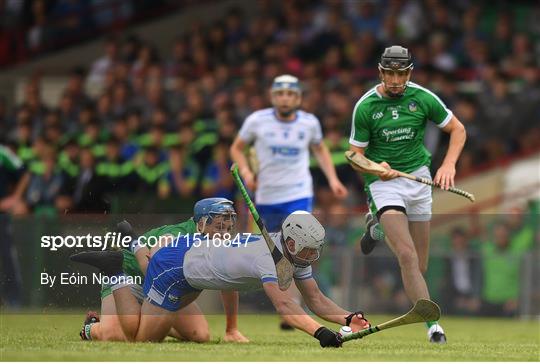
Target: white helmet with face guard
{"x":303,"y":237}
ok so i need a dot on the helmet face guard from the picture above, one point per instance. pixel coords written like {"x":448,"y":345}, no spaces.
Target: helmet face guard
{"x":395,"y":59}
{"x":297,"y":260}
{"x":307,"y":234}
{"x":222,"y":218}
{"x":215,"y":210}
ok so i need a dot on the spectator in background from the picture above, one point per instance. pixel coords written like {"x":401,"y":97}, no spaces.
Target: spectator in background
{"x":71,"y":17}
{"x":120,"y":131}
{"x":22,"y":137}
{"x":149,"y":171}
{"x":92,"y":137}
{"x":114,"y":170}
{"x":464,"y":278}
{"x":89,"y":191}
{"x":106,"y":63}
{"x":75,"y":88}
{"x":521,"y":228}
{"x":130,"y":48}
{"x":11,"y":171}
{"x":134,"y":122}
{"x":106,"y":13}
{"x":120,"y":99}
{"x":338,"y":236}
{"x":68,"y":162}
{"x":40,"y":31}
{"x":104,"y":110}
{"x":43,"y":185}
{"x":181,"y":179}
{"x":498,"y":105}
{"x":502,"y":259}
{"x":217,"y":180}
{"x":68,"y":113}
{"x":34,"y":104}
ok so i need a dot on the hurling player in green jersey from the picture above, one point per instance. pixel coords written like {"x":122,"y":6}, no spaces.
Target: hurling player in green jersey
{"x":388,"y":125}
{"x":211,"y":216}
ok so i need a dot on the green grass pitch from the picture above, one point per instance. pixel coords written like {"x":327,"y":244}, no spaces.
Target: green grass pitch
{"x":55,"y":337}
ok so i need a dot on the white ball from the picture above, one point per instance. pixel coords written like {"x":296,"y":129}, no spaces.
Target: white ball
{"x":345,"y":330}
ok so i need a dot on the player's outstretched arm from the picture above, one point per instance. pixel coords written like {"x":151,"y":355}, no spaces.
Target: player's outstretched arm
{"x":230,"y":304}
{"x":445,"y":174}
{"x":327,"y":309}
{"x":322,"y":154}
{"x":291,"y":312}
{"x":295,"y":316}
{"x":237,"y":152}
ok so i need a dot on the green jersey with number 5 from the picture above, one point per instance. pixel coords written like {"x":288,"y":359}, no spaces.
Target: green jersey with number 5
{"x":392,"y":129}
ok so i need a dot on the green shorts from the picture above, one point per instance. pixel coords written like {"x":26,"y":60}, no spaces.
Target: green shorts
{"x":131,"y":268}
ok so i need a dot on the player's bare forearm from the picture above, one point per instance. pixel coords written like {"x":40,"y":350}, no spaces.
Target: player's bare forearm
{"x":390,"y":174}
{"x":360,"y":150}
{"x":237,"y":152}
{"x":328,"y":310}
{"x":289,"y":310}
{"x":321,"y":305}
{"x":322,"y":154}
{"x":230,"y":305}
{"x":447,"y":171}
{"x":238,"y":156}
{"x":458,"y":135}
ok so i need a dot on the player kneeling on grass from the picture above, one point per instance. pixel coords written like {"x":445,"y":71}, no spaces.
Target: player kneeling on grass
{"x":178,"y":272}
{"x":212,"y":216}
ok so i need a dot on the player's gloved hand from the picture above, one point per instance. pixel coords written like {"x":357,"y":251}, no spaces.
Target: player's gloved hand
{"x":357,"y":321}
{"x":328,"y":338}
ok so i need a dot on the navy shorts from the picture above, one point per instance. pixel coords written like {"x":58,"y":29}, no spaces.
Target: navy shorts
{"x":165,"y":284}
{"x":273,"y":215}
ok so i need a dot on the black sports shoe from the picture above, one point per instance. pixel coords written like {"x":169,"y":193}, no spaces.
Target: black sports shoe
{"x":438,"y":338}
{"x":91,"y":318}
{"x":367,"y":243}
{"x":109,"y":262}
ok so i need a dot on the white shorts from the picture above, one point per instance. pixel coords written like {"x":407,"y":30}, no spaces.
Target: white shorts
{"x":414,"y":197}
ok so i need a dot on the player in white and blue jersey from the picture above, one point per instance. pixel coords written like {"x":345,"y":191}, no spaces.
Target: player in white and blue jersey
{"x":178,"y":272}
{"x":282,"y":137}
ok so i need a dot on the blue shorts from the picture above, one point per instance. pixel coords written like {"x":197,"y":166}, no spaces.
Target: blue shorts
{"x":165,"y":284}
{"x":273,"y":215}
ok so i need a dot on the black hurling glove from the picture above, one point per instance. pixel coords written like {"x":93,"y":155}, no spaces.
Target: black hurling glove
{"x":327,"y":337}
{"x":360,"y":314}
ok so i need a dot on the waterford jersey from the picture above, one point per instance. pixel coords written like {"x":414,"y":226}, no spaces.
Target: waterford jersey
{"x":392,"y":130}
{"x":283,"y":154}
{"x":242,"y":266}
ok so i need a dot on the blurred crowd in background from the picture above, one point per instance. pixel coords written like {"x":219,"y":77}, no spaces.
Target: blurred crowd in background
{"x":164,"y":120}
{"x":32,"y":27}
